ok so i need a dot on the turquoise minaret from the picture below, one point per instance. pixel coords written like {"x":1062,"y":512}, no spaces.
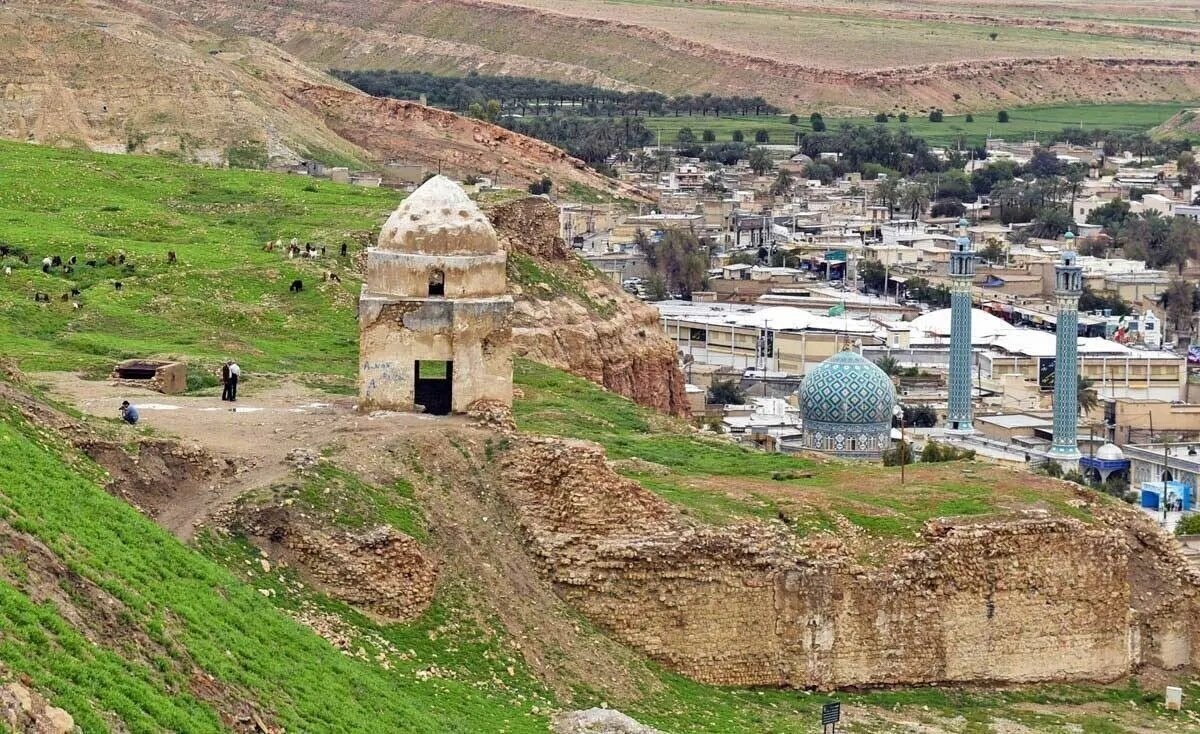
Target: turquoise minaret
{"x":962,"y":272}
{"x":1068,"y":285}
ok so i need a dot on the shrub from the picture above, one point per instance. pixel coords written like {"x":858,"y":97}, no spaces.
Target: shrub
{"x":897,"y":453}
{"x":1189,"y":525}
{"x":1002,"y":116}
{"x":935,"y":116}
{"x":541,"y":187}
{"x":726,"y":392}
{"x":793,"y":119}
{"x":200,"y":378}
{"x":902,"y":117}
{"x":970,"y":118}
{"x":881,"y":117}
{"x":762,"y":136}
{"x":738,"y":136}
{"x":247,"y":154}
{"x":1050,"y":469}
{"x":937,"y":452}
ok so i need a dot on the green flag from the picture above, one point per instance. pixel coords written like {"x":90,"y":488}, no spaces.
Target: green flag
{"x":837,"y":310}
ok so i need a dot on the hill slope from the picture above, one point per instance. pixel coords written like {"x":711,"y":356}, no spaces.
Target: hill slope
{"x":121,"y":76}
{"x":227,"y":295}
{"x":794,"y":53}
{"x":127,"y":629}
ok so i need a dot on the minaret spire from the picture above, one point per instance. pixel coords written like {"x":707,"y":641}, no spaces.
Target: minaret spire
{"x":962,"y":272}
{"x":1068,"y":286}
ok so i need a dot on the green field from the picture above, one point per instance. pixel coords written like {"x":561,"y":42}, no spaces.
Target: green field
{"x":1024,"y":123}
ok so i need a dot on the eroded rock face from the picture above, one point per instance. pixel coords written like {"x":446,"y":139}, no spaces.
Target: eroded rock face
{"x":1020,"y":599}
{"x":26,"y":712}
{"x":622,"y":348}
{"x":598,"y":721}
{"x":381,"y":570}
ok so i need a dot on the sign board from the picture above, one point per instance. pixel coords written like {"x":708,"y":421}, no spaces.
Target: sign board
{"x":1046,"y":367}
{"x":831,"y":713}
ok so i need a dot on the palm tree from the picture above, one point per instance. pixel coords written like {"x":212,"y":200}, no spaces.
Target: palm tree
{"x":886,"y":193}
{"x":888,"y":364}
{"x":1087,"y":396}
{"x":914,"y":197}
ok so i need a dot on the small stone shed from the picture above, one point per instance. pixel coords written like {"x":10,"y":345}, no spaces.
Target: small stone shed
{"x":164,"y":376}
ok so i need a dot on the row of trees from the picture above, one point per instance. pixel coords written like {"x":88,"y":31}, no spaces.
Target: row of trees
{"x":1163,"y":242}
{"x":530,"y":95}
{"x":872,"y":150}
{"x":591,"y":139}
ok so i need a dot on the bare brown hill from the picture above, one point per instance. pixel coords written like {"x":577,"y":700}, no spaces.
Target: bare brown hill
{"x":398,"y":130}
{"x":124,"y":77}
{"x":933,"y":55}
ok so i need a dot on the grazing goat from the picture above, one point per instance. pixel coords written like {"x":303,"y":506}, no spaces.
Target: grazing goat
{"x":297,"y":286}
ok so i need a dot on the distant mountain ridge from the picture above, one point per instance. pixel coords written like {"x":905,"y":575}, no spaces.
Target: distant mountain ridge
{"x":593,"y":43}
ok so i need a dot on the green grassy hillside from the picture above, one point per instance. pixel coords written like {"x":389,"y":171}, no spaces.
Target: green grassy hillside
{"x":225,"y":295}
{"x":175,"y":613}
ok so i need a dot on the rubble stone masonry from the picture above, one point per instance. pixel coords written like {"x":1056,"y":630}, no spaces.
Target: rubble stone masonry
{"x":1019,"y":599}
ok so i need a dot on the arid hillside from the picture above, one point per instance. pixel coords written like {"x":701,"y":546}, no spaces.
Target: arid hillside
{"x":122,"y":77}
{"x":853,"y":56}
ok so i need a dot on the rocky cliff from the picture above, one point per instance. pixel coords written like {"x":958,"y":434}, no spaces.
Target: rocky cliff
{"x":398,"y":130}
{"x":569,"y":316}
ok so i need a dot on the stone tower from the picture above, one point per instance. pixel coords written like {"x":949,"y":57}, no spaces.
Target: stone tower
{"x":434,"y":314}
{"x":1068,"y":286}
{"x":962,"y":271}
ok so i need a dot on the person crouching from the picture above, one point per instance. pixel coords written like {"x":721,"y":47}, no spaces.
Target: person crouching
{"x":129,"y":414}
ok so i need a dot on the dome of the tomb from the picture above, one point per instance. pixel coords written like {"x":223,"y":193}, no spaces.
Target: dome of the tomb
{"x":438,"y":219}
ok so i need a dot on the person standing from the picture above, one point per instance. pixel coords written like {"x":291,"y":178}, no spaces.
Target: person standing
{"x":225,"y":379}
{"x":235,"y":374}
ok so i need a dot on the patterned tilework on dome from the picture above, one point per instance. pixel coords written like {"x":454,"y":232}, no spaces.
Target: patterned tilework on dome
{"x":846,"y":403}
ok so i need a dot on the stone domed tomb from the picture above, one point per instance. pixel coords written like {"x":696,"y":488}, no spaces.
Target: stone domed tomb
{"x":434,"y":313}
{"x":846,"y":403}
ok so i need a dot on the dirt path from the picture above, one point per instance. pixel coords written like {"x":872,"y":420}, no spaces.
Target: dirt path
{"x":256,"y":433}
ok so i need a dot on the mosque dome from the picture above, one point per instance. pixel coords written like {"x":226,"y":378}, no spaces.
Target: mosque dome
{"x":438,"y":219}
{"x":1110,"y":452}
{"x":847,"y":389}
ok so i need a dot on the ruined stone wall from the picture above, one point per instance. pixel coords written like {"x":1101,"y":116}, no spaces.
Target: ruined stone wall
{"x":380,"y":570}
{"x":1023,"y":599}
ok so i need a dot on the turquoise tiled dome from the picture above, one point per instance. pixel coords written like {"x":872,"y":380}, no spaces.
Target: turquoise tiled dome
{"x":849,"y":390}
